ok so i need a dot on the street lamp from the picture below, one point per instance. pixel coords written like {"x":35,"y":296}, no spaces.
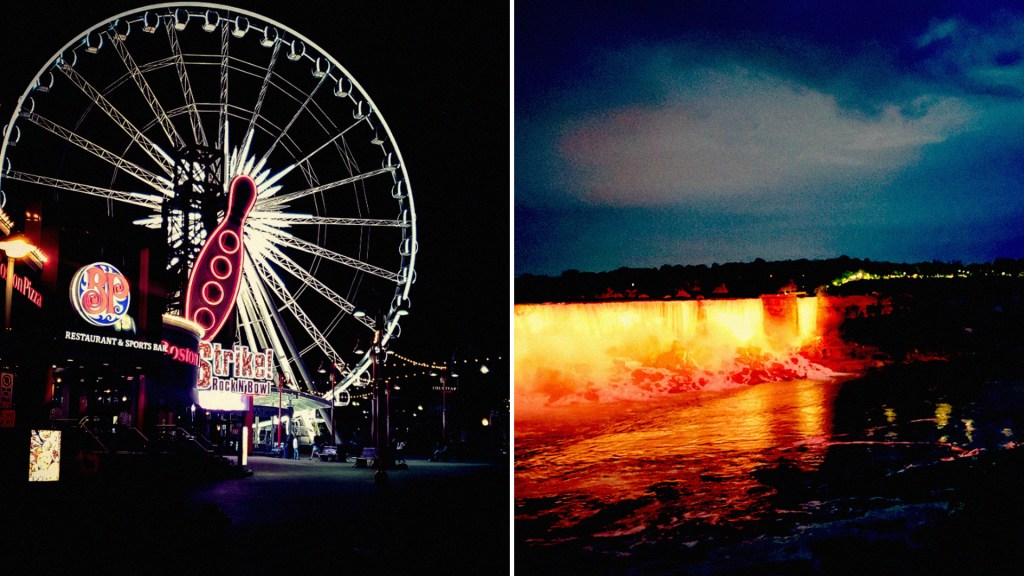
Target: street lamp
{"x":323,"y":370}
{"x":380,"y":431}
{"x":277,"y":421}
{"x":382,"y":332}
{"x":331,"y":369}
{"x":17,"y":247}
{"x":447,"y":385}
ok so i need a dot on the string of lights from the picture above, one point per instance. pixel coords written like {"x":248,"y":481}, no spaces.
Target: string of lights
{"x":436,"y":366}
{"x":429,"y":369}
{"x":476,"y":360}
{"x":417,"y":363}
{"x":410,"y":375}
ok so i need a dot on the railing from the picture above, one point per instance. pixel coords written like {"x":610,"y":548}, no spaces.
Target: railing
{"x":142,"y":436}
{"x":83,"y":424}
{"x":200,"y":440}
{"x":173,"y":433}
{"x":119,"y":438}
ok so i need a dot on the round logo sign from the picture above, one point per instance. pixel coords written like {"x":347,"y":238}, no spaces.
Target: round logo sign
{"x":99,"y":292}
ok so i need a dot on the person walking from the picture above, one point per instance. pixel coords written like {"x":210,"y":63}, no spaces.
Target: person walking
{"x":295,"y":447}
{"x":400,"y":452}
{"x":316,"y":448}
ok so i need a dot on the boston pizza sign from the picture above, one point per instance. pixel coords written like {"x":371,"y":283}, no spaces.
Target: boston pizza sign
{"x":100,"y":294}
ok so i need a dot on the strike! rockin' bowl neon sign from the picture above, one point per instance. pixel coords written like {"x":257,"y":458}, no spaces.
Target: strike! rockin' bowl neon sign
{"x":100,"y":294}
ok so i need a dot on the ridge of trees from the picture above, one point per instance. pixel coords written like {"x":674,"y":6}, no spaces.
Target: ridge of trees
{"x":739,"y":279}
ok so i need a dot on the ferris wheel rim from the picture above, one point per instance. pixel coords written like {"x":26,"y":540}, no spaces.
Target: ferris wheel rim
{"x":391,"y":318}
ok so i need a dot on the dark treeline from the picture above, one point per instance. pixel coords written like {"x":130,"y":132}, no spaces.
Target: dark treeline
{"x":736,"y":280}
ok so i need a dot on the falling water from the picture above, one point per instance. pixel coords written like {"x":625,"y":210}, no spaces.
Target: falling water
{"x":584,"y":353}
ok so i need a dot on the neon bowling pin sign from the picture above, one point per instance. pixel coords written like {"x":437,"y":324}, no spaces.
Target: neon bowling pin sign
{"x":217,"y":273}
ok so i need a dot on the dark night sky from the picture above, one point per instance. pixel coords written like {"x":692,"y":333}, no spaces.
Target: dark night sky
{"x":438,"y":73}
{"x":723,"y":131}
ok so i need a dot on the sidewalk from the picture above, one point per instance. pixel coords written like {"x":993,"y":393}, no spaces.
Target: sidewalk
{"x":432,"y":518}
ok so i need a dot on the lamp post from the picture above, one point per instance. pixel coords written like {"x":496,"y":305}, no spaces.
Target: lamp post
{"x":381,"y":417}
{"x":380,"y":477}
{"x":447,"y":385}
{"x":17,"y":247}
{"x":330,"y":370}
{"x":280,"y":384}
{"x":334,"y":400}
{"x":380,"y":432}
{"x":444,"y":410}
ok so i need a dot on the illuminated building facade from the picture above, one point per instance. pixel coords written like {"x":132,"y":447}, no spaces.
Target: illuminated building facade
{"x":93,"y":352}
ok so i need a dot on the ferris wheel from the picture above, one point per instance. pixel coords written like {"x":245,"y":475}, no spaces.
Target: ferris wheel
{"x":150,"y":116}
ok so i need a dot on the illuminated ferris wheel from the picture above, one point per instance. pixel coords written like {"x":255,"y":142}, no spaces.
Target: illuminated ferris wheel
{"x":150,"y":117}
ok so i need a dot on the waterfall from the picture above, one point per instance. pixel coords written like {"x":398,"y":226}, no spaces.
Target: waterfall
{"x":598,"y":352}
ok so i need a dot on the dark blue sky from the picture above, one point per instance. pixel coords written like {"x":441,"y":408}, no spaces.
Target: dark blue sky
{"x":693,"y":132}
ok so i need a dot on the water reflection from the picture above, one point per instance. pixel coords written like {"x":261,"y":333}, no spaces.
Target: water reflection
{"x":660,"y":464}
{"x":678,"y":470}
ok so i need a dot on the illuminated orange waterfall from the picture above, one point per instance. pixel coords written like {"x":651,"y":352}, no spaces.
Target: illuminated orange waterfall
{"x":600,"y":352}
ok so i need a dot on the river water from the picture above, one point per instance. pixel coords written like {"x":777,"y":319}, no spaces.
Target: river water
{"x":614,"y":487}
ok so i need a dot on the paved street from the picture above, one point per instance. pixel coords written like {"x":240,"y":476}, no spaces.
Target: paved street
{"x":434,"y":518}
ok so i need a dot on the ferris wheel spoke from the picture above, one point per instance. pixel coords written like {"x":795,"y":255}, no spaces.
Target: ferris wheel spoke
{"x":258,"y":326}
{"x":268,"y":279}
{"x":146,"y":69}
{"x":302,"y":162}
{"x":223,"y":128}
{"x":263,"y":94}
{"x":159,"y":183}
{"x":245,"y":325}
{"x":255,"y":331}
{"x":282,"y":219}
{"x":295,"y":117}
{"x":285,"y":297}
{"x":267,"y":314}
{"x":284,"y":198}
{"x":153,"y":222}
{"x":198,"y":133}
{"x":147,"y":92}
{"x":330,"y":141}
{"x":222,"y":123}
{"x":258,"y":333}
{"x":275,"y":256}
{"x":162,"y":158}
{"x":283,"y":238}
{"x":136,"y":198}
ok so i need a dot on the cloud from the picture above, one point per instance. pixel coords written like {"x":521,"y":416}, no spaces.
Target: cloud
{"x":938,"y":31}
{"x":731,"y":131}
{"x":974,"y":57}
{"x":898,"y":142}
